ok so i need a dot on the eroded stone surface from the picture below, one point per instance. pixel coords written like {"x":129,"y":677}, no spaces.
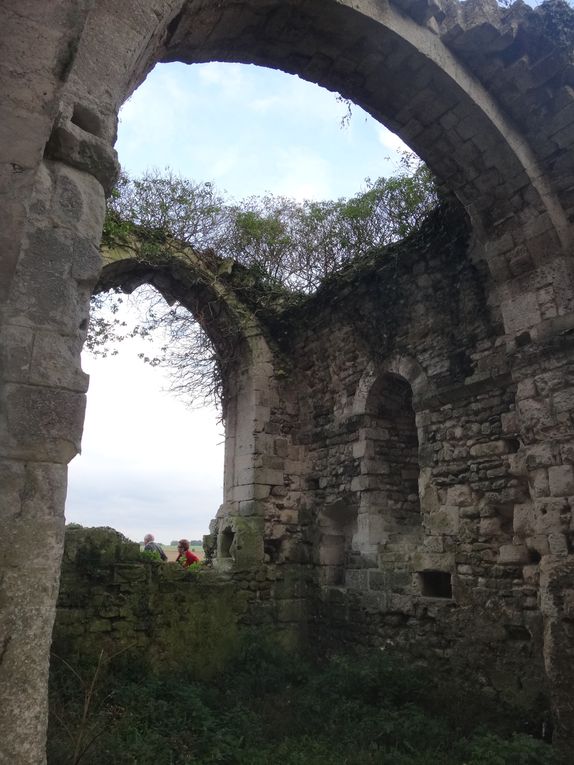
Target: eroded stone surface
{"x":484,"y":95}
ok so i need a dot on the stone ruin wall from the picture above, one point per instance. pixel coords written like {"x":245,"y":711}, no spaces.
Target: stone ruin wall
{"x":112,"y":600}
{"x":446,"y":559}
{"x":400,"y":367}
{"x":485,"y":96}
{"x":397,"y":469}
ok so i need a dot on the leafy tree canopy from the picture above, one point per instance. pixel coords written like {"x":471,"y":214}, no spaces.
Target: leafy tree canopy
{"x":294,"y":245}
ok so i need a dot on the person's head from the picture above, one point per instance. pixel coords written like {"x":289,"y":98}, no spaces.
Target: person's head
{"x":148,"y":538}
{"x":183,"y":545}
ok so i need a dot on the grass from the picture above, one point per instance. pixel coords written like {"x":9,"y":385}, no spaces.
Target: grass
{"x":270,"y":707}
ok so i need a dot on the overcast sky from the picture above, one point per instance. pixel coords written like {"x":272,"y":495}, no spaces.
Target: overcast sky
{"x":148,"y":463}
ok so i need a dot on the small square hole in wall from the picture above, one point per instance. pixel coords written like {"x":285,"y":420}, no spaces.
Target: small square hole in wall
{"x":272,"y":548}
{"x":436,"y":584}
{"x":534,"y":557}
{"x":227,"y":543}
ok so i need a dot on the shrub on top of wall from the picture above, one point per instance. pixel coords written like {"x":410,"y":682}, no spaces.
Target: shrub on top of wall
{"x":98,"y":546}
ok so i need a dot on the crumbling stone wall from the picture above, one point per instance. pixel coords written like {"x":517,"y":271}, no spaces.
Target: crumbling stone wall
{"x":480,"y":572}
{"x":111,"y":599}
{"x":483,"y":94}
{"x":447,"y":566}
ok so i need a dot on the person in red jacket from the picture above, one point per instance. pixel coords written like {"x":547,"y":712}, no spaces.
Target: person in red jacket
{"x":185,"y":556}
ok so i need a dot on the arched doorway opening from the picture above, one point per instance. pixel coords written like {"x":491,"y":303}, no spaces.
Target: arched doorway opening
{"x":151,"y":461}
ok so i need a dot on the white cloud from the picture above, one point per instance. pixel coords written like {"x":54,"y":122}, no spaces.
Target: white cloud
{"x":224,"y":162}
{"x":148,"y":463}
{"x":265,"y":105}
{"x":390,"y":141}
{"x":304,"y":174}
{"x":227,"y":80}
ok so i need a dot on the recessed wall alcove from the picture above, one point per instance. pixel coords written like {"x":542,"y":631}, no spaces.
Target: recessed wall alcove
{"x":388,"y":525}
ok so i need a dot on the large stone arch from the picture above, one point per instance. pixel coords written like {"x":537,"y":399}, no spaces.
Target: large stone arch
{"x":409,"y":75}
{"x":479,"y":92}
{"x":199,"y":282}
{"x":210,"y":289}
{"x":432,"y":75}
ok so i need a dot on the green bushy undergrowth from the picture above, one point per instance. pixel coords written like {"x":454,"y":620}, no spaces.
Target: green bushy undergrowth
{"x":270,"y":707}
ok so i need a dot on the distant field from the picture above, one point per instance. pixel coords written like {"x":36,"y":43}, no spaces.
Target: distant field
{"x":171,"y":552}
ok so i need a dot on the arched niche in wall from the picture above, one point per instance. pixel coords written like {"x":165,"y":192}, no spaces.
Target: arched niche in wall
{"x":389,"y":516}
{"x":373,"y":537}
{"x":367,"y":539}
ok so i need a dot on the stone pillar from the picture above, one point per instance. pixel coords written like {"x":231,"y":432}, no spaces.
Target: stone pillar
{"x":43,"y":261}
{"x":248,"y":478}
{"x":42,"y":401}
{"x":539,"y":315}
{"x":544,"y":524}
{"x":557,"y":605}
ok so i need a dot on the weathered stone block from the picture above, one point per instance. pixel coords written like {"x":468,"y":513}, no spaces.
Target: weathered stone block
{"x":35,"y":493}
{"x":444,"y":521}
{"x":367,"y":483}
{"x":248,"y":540}
{"x":512,"y":555}
{"x":540,"y":455}
{"x":489,"y":449}
{"x":281,"y":447}
{"x":376,"y":579}
{"x":331,"y":551}
{"x":536,"y":416}
{"x":43,"y":423}
{"x":568,"y":601}
{"x":489,"y":527}
{"x":252,"y":507}
{"x":16,"y":345}
{"x":88,"y":153}
{"x":250,"y":491}
{"x":561,"y":480}
{"x":539,"y":482}
{"x":509,"y":423}
{"x":268,"y":476}
{"x":552,"y":515}
{"x":558,"y":544}
{"x":425,"y":561}
{"x":459,"y":495}
{"x":402,"y":604}
{"x":291,"y":610}
{"x":434,"y":544}
{"x":357,"y":579}
{"x":521,"y":312}
{"x":55,"y":361}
